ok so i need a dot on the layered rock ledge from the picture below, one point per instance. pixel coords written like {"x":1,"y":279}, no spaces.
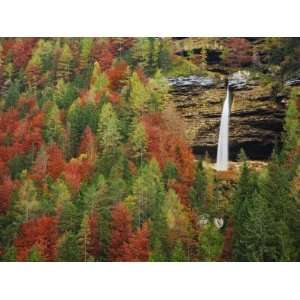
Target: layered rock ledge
{"x":256,"y":115}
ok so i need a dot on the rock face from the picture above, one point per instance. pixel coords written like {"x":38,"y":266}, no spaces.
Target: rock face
{"x":256,"y":116}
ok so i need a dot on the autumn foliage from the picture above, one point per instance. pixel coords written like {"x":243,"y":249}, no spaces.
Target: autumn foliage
{"x":6,"y":189}
{"x":76,"y":171}
{"x":167,"y":147}
{"x":240,"y":53}
{"x":55,"y":164}
{"x":42,"y":233}
{"x":121,"y":231}
{"x":94,"y":244}
{"x":138,"y":247}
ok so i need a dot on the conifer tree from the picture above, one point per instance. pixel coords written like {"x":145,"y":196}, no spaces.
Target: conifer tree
{"x":210,"y":243}
{"x":138,"y":142}
{"x":64,"y":64}
{"x":138,"y":95}
{"x":108,"y":130}
{"x":99,"y":80}
{"x":34,"y":255}
{"x":83,"y":239}
{"x":198,"y":192}
{"x":28,"y":203}
{"x":64,"y":94}
{"x":158,"y":89}
{"x":178,"y":253}
{"x":79,"y":117}
{"x":12,"y":94}
{"x":85,"y":49}
{"x":54,"y":130}
{"x":68,"y":249}
{"x":243,"y":198}
{"x":283,"y":210}
{"x":121,"y":232}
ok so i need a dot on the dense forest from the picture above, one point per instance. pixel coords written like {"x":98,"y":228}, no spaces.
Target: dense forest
{"x":95,"y":164}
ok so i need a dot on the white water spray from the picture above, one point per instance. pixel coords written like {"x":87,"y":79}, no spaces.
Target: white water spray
{"x":222,"y":156}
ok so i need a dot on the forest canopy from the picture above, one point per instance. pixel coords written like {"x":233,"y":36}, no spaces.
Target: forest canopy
{"x":95,"y":166}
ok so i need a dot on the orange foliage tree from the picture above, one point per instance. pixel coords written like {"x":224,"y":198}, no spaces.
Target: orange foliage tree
{"x":137,"y":248}
{"x":6,"y":189}
{"x":42,"y":233}
{"x":94,"y":245}
{"x":76,"y":171}
{"x":55,"y":164}
{"x":165,"y":146}
{"x":22,"y":51}
{"x":88,"y":144}
{"x":117,"y":75}
{"x":121,"y":232}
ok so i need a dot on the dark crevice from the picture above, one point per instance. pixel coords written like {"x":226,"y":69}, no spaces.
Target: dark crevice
{"x":254,"y":151}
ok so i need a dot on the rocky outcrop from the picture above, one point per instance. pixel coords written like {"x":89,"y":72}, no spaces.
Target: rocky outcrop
{"x":256,"y":115}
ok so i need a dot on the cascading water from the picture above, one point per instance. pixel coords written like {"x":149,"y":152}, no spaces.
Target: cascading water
{"x":222,"y":155}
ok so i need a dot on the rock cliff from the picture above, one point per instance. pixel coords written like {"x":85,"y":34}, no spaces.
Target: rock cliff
{"x":256,"y":115}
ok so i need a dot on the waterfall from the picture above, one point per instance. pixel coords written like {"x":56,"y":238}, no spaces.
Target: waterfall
{"x":222,"y":156}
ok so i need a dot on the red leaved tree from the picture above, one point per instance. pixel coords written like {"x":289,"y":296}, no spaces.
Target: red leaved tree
{"x":137,"y":248}
{"x":121,"y":231}
{"x":42,"y":233}
{"x":103,"y":53}
{"x":22,"y":51}
{"x":88,"y":144}
{"x":117,"y":75}
{"x":239,"y":52}
{"x":94,"y":246}
{"x":56,"y":162}
{"x":6,"y":189}
{"x":166,"y":147}
{"x":76,"y":171}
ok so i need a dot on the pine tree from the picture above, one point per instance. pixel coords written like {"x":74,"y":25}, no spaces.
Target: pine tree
{"x":138,"y":142}
{"x":108,"y":130}
{"x":140,"y":52}
{"x":28,"y":203}
{"x":83,"y":239}
{"x":85,"y":49}
{"x":258,"y":232}
{"x":198,"y":192}
{"x":284,"y":211}
{"x":178,"y":221}
{"x":88,"y":237}
{"x":34,"y":71}
{"x":99,"y":80}
{"x":80,"y":115}
{"x":210,"y":243}
{"x":12,"y":95}
{"x":149,"y":191}
{"x":243,"y":198}
{"x":64,"y":94}
{"x":68,"y":249}
{"x":158,"y":89}
{"x":68,"y":218}
{"x":88,"y":144}
{"x":64,"y":70}
{"x":291,"y":141}
{"x":138,"y":95}
{"x":178,"y":253}
{"x":34,"y":255}
{"x":165,"y":52}
{"x":54,"y":130}
{"x":60,"y":194}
